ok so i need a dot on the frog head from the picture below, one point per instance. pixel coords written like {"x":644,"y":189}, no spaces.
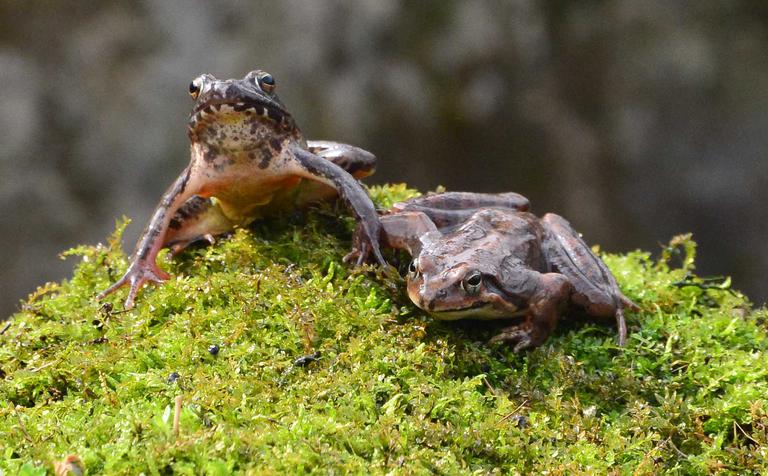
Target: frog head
{"x":237,"y":114}
{"x":456,"y":276}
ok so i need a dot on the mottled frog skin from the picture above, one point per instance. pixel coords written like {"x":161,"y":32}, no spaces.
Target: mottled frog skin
{"x":484,"y":256}
{"x":248,"y":160}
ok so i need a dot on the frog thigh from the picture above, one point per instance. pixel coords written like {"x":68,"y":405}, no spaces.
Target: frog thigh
{"x":197,"y":219}
{"x":355,"y":161}
{"x":312,"y":167}
{"x":468,"y":201}
{"x":595,"y":288}
{"x":451,"y":208}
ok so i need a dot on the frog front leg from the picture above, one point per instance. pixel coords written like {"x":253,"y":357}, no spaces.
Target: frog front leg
{"x":315,"y":168}
{"x":594,"y":286}
{"x":406,"y":231}
{"x":546,"y":295}
{"x":403,"y":231}
{"x":143,"y":267}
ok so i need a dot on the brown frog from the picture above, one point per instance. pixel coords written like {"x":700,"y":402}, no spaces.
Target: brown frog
{"x":484,"y":256}
{"x":248,"y":160}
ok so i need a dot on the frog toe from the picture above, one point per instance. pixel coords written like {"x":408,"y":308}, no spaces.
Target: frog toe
{"x":358,"y":255}
{"x":629,"y":304}
{"x":135,"y":278}
{"x":621,"y":324}
{"x":369,"y":245}
{"x":521,"y":338}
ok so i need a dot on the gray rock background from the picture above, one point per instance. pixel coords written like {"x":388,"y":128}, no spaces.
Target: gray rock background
{"x":635,"y":120}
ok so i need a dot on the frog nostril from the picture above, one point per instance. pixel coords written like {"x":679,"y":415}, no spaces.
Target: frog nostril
{"x":431,"y":300}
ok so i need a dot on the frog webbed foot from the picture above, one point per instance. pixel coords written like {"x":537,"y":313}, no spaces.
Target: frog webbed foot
{"x":540,"y":321}
{"x":361,"y":250}
{"x":315,"y":168}
{"x":138,"y":273}
{"x":361,"y":253}
{"x":519,"y":336}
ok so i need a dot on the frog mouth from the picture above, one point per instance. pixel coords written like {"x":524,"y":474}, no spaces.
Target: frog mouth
{"x":210,"y":110}
{"x":482,"y":311}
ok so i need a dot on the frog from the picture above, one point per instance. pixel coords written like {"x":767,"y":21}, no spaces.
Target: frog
{"x":486,"y":256}
{"x":248,"y":160}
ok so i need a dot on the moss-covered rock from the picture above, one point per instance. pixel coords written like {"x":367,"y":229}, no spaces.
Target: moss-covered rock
{"x":286,"y":361}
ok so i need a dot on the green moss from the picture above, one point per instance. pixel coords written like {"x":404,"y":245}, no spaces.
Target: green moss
{"x":391,"y":390}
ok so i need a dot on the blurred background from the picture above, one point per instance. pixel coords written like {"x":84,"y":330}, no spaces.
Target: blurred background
{"x":635,"y":120}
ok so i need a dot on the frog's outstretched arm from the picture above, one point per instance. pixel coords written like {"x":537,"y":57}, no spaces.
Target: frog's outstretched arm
{"x":406,"y":231}
{"x":143,"y":267}
{"x":315,"y":168}
{"x":594,"y":287}
{"x":403,"y":231}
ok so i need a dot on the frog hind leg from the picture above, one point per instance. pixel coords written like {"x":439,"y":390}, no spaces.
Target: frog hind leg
{"x":548,"y":298}
{"x":594,"y":286}
{"x":318,"y":169}
{"x":357,"y":162}
{"x":452,"y":208}
{"x":198,"y":219}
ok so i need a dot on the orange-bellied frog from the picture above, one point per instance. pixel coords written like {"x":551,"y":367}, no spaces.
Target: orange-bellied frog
{"x":484,"y":256}
{"x":248,"y":159}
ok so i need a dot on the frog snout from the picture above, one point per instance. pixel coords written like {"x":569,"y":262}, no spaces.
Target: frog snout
{"x":430,"y":300}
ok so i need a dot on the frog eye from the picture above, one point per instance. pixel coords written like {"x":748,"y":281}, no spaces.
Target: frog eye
{"x":267,"y":83}
{"x":471,"y":282}
{"x":413,"y":268}
{"x":194,"y":88}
